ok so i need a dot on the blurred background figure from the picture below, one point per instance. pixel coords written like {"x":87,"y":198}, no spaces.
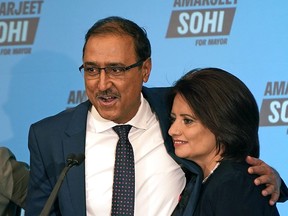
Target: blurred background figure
{"x":14,"y":176}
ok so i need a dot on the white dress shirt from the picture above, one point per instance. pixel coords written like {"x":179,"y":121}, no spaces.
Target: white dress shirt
{"x":158,"y":178}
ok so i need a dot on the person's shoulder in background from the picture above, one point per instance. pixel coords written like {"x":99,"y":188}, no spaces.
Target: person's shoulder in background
{"x":14,"y":176}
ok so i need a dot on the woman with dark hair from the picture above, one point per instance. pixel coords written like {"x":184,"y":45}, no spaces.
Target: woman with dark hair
{"x":215,"y":121}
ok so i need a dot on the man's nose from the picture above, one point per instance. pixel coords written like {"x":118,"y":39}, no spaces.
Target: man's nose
{"x":104,"y":81}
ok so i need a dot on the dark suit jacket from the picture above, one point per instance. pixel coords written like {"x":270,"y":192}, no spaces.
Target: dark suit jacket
{"x":230,"y":190}
{"x":53,"y":138}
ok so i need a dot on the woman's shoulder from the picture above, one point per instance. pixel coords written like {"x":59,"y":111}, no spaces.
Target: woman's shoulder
{"x":230,"y":188}
{"x":231,"y":171}
{"x":233,"y":177}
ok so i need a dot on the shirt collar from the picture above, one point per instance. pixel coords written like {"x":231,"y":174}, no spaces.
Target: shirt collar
{"x":140,"y":120}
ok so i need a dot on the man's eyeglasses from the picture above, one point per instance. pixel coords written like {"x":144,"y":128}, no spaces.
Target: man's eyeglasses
{"x":93,"y":72}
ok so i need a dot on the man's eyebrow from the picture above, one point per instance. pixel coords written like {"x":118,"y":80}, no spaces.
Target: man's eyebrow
{"x":112,"y":64}
{"x":90,"y":63}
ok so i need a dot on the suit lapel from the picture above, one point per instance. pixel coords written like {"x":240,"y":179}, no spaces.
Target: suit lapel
{"x":74,"y":142}
{"x":75,"y":179}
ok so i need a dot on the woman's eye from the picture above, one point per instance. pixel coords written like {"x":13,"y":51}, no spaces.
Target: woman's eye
{"x":188,"y":121}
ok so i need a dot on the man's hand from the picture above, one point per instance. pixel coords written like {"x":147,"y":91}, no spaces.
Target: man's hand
{"x":267,"y":176}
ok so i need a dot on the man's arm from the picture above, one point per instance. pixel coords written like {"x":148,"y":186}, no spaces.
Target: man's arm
{"x":275,"y":186}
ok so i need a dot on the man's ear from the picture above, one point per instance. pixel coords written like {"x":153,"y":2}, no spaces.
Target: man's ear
{"x":146,"y":69}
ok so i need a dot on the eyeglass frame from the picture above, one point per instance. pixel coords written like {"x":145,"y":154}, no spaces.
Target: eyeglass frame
{"x":123,"y":69}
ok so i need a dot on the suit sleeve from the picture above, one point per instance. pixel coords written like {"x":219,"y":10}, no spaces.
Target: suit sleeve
{"x":283,"y":192}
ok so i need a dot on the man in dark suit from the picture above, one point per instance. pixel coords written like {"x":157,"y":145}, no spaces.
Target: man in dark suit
{"x":116,"y":63}
{"x":14,"y":177}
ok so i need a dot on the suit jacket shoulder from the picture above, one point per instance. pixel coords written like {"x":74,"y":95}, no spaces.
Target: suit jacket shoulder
{"x":159,"y":101}
{"x":74,"y":116}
